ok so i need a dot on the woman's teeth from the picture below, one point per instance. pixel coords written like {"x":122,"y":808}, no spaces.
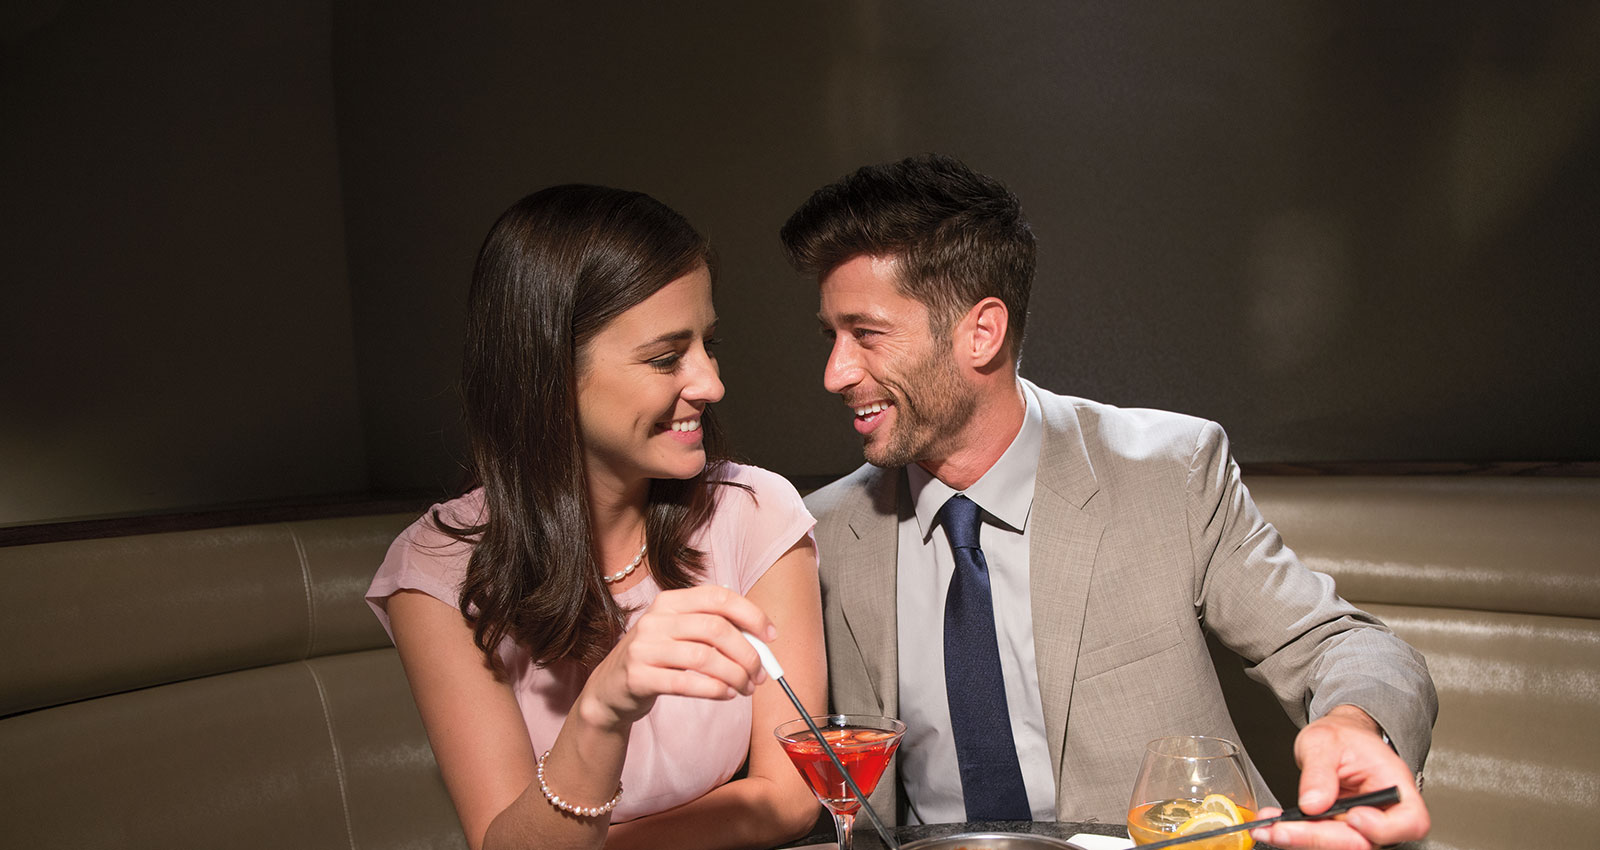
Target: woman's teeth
{"x":684,"y":425}
{"x":875,"y":407}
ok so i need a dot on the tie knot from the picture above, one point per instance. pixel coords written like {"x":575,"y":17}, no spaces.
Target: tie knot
{"x":960,"y":518}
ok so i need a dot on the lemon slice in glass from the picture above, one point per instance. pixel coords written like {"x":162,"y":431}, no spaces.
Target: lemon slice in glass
{"x":1209,"y":820}
{"x":1223,"y":805}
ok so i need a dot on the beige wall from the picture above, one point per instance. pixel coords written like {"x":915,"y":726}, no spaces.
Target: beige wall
{"x":237,"y":243}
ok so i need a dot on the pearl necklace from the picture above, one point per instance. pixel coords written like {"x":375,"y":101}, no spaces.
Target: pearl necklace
{"x":628,"y":570}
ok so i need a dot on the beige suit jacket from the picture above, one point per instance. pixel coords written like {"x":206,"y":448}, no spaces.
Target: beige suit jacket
{"x":1143,"y":539}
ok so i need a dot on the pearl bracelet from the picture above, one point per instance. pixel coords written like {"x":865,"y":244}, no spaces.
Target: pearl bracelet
{"x":563,"y":805}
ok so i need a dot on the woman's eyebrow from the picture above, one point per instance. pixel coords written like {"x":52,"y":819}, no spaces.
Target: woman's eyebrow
{"x":669,"y":336}
{"x":679,"y":335}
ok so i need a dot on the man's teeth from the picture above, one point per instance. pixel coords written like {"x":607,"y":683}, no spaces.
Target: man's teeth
{"x":684,"y":425}
{"x":875,"y":407}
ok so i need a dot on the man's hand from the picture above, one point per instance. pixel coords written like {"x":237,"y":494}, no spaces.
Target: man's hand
{"x":1340,"y":754}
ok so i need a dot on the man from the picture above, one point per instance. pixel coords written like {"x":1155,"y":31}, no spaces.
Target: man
{"x":1026,"y":579}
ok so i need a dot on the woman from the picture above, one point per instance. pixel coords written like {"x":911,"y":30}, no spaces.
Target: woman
{"x":571,"y":625}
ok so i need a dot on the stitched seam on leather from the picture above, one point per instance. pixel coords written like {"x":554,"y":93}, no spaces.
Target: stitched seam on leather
{"x":338,"y":758}
{"x":305,"y":579}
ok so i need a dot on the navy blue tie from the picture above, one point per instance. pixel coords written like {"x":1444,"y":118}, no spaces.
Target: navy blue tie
{"x":991,"y":778}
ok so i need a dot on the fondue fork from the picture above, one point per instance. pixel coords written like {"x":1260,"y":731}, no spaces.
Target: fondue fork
{"x":1387,"y":797}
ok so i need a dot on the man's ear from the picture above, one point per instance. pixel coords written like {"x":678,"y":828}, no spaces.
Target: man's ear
{"x":983,"y":338}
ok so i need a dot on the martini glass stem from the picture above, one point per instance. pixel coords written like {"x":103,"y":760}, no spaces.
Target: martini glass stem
{"x":843,"y":824}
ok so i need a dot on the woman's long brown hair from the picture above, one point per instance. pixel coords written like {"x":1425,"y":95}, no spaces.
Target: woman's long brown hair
{"x":556,"y":267}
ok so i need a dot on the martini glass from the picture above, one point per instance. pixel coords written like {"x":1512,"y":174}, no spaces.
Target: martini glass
{"x":863,"y":744}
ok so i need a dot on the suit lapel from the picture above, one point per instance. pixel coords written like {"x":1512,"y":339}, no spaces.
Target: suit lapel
{"x":1064,"y":539}
{"x":869,"y":584}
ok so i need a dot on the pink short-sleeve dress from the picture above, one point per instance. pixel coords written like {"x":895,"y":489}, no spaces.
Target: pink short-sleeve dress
{"x":684,"y":747}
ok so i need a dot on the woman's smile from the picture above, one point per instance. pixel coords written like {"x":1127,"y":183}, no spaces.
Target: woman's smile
{"x":684,"y":430}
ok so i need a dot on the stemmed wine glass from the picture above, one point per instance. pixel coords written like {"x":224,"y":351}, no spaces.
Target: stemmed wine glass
{"x":863,"y":743}
{"x":1188,"y":785}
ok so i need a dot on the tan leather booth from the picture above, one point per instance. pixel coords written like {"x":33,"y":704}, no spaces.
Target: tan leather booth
{"x":229,"y":688}
{"x":225,"y":688}
{"x":1497,"y":582}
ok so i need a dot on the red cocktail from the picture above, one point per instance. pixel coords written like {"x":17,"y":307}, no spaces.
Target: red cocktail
{"x":864,"y":745}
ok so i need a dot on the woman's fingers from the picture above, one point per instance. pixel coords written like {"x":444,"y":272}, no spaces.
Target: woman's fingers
{"x":687,"y":643}
{"x":696,"y":631}
{"x":699,"y":643}
{"x":659,"y":681}
{"x":715,"y":599}
{"x":724,"y":615}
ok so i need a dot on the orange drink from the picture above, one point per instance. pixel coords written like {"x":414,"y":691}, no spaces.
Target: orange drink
{"x":1188,"y":785}
{"x":1158,"y":821}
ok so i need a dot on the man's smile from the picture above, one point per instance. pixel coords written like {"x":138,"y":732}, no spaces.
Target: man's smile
{"x":869,"y":415}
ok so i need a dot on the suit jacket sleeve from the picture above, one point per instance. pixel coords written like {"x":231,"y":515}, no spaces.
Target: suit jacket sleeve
{"x":1297,"y":636}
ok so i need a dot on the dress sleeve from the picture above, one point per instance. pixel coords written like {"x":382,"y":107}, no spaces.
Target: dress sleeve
{"x":755,"y":526}
{"x":425,"y":559}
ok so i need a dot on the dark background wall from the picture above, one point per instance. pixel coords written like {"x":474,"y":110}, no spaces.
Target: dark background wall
{"x":175,"y":321}
{"x":237,"y":236}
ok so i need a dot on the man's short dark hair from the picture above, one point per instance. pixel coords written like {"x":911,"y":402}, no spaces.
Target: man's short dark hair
{"x":959,"y":235}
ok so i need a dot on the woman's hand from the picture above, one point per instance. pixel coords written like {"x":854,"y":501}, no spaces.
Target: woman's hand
{"x":772,"y":803}
{"x":686,"y":643}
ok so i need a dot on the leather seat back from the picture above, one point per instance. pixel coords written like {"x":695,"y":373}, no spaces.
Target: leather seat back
{"x":1497,"y":582}
{"x":219,"y":688}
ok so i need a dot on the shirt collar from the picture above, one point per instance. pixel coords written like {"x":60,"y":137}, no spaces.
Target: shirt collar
{"x":1005,"y":492}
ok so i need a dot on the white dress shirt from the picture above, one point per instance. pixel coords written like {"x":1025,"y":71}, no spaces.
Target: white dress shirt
{"x":928,"y":768}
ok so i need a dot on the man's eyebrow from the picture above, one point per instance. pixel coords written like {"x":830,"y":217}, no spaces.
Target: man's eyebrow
{"x":853,"y":319}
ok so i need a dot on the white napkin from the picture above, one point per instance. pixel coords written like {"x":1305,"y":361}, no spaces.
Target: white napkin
{"x":1090,"y":841}
{"x":1087,"y":841}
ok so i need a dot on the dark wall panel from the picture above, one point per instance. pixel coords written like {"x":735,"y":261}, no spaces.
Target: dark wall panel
{"x":1346,"y":231}
{"x":175,"y":328}
{"x":449,"y":115}
{"x":238,"y":237}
